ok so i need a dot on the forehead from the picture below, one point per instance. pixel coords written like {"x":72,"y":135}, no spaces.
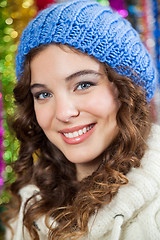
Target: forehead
{"x":63,"y":47}
{"x":62,"y":60}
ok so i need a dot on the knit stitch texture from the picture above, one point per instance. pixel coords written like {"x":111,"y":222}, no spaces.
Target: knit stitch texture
{"x":93,"y":29}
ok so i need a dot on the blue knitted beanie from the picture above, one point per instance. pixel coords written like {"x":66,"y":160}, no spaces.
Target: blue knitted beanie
{"x":95,"y":30}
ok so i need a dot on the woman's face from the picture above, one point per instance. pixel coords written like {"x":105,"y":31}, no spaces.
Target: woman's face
{"x":75,"y":103}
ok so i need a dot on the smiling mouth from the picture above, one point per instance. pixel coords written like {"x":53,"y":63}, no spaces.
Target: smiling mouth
{"x":80,"y":132}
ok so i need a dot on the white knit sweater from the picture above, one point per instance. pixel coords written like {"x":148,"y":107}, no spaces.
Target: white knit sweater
{"x":133,"y":214}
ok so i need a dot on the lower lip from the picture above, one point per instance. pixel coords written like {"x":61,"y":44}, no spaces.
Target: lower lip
{"x":80,"y":138}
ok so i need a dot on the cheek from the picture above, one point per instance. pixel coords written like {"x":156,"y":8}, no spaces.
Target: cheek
{"x":43,"y":116}
{"x":103,"y":104}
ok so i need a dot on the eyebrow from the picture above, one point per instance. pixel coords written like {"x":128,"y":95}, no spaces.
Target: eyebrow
{"x":37,"y":85}
{"x":69,"y":78}
{"x":82,"y":73}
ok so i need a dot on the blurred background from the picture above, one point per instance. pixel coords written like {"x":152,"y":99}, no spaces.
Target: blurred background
{"x":144,"y":16}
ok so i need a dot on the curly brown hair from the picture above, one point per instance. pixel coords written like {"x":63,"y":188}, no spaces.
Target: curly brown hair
{"x":68,"y":201}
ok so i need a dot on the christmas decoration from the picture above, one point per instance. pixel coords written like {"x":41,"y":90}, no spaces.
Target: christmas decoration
{"x":1,"y":144}
{"x":41,"y":4}
{"x":14,"y":17}
{"x":119,"y":6}
{"x":103,"y":2}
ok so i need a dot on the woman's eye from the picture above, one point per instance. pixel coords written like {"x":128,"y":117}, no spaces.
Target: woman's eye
{"x":42,"y":95}
{"x":84,"y":85}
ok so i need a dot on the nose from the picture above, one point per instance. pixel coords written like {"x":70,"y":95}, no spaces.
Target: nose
{"x":66,"y":109}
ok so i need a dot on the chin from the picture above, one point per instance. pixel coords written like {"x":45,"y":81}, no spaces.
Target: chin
{"x":82,"y":159}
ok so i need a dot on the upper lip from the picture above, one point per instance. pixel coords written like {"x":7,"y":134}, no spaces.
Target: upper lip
{"x":73,"y":129}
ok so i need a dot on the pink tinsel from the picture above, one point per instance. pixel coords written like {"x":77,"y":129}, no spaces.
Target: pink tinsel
{"x":119,"y":6}
{"x":1,"y":144}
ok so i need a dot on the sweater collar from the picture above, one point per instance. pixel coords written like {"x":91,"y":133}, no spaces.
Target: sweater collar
{"x":144,"y":183}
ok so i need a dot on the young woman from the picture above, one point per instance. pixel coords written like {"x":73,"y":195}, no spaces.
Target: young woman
{"x":89,"y":159}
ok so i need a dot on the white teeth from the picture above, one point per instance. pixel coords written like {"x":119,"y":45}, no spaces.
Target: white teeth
{"x":70,"y":135}
{"x":84,"y":130}
{"x":78,"y":133}
{"x":75,"y":134}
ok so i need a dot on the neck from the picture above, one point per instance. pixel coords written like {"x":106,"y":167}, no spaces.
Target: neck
{"x":86,"y":169}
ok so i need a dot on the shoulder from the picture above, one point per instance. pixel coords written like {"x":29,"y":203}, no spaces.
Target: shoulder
{"x":17,"y":224}
{"x":152,"y":155}
{"x":154,"y":137}
{"x":28,"y":191}
{"x":150,"y":163}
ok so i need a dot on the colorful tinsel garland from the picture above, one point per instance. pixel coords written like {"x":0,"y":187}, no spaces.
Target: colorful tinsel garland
{"x":1,"y":143}
{"x":15,"y":15}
